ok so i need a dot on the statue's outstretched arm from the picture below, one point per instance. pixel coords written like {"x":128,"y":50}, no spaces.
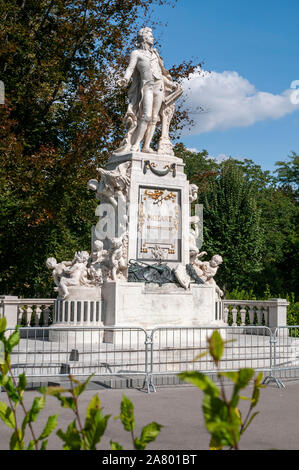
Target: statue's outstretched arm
{"x":131,"y":66}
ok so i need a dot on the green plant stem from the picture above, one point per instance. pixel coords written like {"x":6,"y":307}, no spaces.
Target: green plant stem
{"x":77,"y":414}
{"x":236,"y":447}
{"x":133,"y":437}
{"x":25,"y":412}
{"x":246,"y":419}
{"x":15,"y":417}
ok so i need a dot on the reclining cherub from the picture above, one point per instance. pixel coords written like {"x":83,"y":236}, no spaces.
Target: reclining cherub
{"x":70,"y":273}
{"x":57,"y":268}
{"x":97,"y":267}
{"x":206,"y":270}
{"x":118,"y":262}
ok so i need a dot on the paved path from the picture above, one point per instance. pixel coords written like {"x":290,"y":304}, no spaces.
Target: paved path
{"x":178,"y":408}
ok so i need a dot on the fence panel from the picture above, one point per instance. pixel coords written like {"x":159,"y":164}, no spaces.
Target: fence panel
{"x":285,"y":353}
{"x":133,"y":352}
{"x":174,"y":349}
{"x":58,"y":352}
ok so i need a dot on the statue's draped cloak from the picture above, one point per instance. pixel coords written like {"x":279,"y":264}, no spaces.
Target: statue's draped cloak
{"x":135,"y":106}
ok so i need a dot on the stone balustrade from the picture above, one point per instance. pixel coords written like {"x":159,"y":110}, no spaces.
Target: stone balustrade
{"x":26,"y":312}
{"x":77,"y":313}
{"x":271,"y":313}
{"x":37,"y":312}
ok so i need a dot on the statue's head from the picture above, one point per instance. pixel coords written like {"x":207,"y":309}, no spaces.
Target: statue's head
{"x":216,"y":260}
{"x":51,"y":263}
{"x":98,"y":245}
{"x":193,"y":192}
{"x":193,"y":189}
{"x":145,"y":36}
{"x":81,"y":256}
{"x":116,"y":243}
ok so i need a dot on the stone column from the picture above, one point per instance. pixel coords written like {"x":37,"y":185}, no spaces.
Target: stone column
{"x":278,"y":315}
{"x":9,"y":309}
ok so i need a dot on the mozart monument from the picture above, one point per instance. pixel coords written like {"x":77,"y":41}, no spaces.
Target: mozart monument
{"x":144,"y":268}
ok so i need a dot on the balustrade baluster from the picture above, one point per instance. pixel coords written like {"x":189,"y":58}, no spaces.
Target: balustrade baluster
{"x":225,"y":314}
{"x":260,"y":315}
{"x":28,"y":314}
{"x":243,"y":315}
{"x":38,"y":311}
{"x":266,"y":315}
{"x":251,"y":314}
{"x":20,"y":314}
{"x":235,"y":313}
{"x":46,"y":314}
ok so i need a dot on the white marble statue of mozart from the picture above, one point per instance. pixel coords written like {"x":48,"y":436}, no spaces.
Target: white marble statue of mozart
{"x":150,"y":87}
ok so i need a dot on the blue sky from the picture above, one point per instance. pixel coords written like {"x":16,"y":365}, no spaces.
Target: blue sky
{"x":252,"y":50}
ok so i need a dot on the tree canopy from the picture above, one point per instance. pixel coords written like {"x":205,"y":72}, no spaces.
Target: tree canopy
{"x":250,"y":217}
{"x":62,"y":117}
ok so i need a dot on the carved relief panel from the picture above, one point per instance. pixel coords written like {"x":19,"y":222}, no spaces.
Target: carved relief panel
{"x":159,"y":229}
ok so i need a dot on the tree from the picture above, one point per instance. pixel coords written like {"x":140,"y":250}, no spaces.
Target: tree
{"x":288,"y":174}
{"x":232,"y":226}
{"x":277,"y":196}
{"x":199,"y":167}
{"x":280,"y":219}
{"x":62,"y":118}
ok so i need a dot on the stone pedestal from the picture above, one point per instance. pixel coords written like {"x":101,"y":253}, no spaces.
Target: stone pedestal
{"x":9,"y":304}
{"x":82,"y":310}
{"x":150,"y":306}
{"x":144,"y":216}
{"x":157,"y":207}
{"x":278,"y":316}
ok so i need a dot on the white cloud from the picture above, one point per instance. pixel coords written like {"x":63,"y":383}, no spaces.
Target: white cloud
{"x":219,"y":158}
{"x":229,"y":100}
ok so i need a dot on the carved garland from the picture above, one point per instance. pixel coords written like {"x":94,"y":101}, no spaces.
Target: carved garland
{"x":167,"y":169}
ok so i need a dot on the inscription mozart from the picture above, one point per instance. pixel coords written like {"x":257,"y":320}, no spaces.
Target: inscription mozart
{"x":159,"y":225}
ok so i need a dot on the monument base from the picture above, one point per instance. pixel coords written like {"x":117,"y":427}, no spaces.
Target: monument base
{"x":132,"y":305}
{"x":76,"y":316}
{"x":149,"y":305}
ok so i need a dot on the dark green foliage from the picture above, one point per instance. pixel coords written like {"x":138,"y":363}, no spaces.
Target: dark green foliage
{"x":79,"y":435}
{"x":251,"y":219}
{"x":288,"y":174}
{"x":61,"y":119}
{"x":148,"y":434}
{"x":232,"y":226}
{"x":15,"y":390}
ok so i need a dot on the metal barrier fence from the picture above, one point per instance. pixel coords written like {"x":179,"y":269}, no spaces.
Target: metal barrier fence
{"x":164,"y":351}
{"x":285,"y":341}
{"x":58,"y":352}
{"x":174,"y":349}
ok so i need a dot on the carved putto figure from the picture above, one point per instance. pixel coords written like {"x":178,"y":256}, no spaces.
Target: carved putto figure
{"x":193,"y":193}
{"x":98,"y":254}
{"x":113,"y":183}
{"x":118,"y":258}
{"x":92,"y":270}
{"x":57,"y":268}
{"x":207,"y":270}
{"x":193,"y":236}
{"x":74,"y":273}
{"x":97,"y":269}
{"x":194,"y":222}
{"x":151,"y":97}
